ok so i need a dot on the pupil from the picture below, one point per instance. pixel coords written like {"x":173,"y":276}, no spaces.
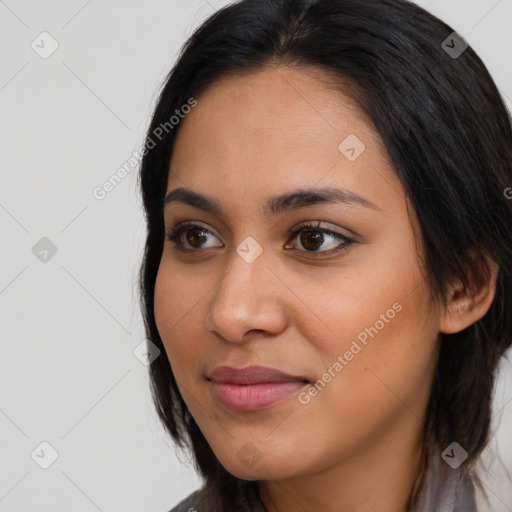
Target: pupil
{"x":312,"y":236}
{"x":195,"y":241}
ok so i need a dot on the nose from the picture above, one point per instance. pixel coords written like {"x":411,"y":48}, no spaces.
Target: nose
{"x":250,"y":297}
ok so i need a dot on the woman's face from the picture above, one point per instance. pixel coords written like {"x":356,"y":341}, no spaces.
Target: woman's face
{"x":343,"y":304}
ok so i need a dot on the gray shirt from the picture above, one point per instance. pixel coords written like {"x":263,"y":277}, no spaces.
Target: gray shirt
{"x":446,"y":490}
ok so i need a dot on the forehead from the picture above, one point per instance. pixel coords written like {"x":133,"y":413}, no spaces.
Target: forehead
{"x":278,"y":128}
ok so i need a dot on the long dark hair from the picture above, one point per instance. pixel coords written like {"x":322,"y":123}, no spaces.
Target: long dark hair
{"x":448,"y":134}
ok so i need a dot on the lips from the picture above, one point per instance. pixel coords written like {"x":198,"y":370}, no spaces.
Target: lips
{"x":252,"y":375}
{"x":253,"y":388}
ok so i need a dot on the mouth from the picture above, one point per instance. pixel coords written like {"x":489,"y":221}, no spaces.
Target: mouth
{"x":253,"y":387}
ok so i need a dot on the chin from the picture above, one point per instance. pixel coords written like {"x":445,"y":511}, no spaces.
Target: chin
{"x":275,"y":467}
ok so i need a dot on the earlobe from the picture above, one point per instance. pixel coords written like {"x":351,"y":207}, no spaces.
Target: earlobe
{"x":468,"y":304}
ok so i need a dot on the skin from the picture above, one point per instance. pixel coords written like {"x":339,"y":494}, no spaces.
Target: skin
{"x":356,"y":444}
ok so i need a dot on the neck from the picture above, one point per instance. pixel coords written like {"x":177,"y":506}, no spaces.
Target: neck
{"x":381,"y":477}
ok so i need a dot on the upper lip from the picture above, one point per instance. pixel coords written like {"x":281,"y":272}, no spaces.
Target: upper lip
{"x":251,"y":375}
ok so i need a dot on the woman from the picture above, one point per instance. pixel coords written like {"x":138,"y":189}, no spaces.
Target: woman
{"x":327,"y":264}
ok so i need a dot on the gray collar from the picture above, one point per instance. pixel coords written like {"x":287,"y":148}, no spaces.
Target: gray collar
{"x":446,"y":490}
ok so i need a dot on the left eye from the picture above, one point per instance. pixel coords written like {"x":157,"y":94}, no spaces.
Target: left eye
{"x":313,"y":239}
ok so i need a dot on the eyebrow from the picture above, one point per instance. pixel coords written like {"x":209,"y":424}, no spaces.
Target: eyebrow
{"x":301,"y":198}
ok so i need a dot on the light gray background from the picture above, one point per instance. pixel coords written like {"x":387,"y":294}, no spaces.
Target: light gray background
{"x":69,"y":326}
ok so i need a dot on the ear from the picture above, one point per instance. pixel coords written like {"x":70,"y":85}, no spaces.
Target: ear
{"x":467,"y":305}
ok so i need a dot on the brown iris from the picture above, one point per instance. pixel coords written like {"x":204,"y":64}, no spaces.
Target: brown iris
{"x":311,"y":239}
{"x":196,"y":237}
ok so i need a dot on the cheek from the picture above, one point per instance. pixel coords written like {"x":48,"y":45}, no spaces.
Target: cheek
{"x":167,"y":307}
{"x":384,"y":376}
{"x":381,"y":322}
{"x":178,"y":306}
{"x":362,"y":304}
{"x":382,"y":359}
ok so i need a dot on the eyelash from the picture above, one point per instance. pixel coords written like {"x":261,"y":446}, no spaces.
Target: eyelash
{"x":176,"y":232}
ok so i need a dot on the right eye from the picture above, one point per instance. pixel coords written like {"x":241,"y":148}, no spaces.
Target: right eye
{"x":195,"y":237}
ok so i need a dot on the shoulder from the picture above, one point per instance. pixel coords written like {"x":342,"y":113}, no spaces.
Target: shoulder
{"x":465,"y":496}
{"x":188,"y":504}
{"x":446,"y":489}
{"x":198,"y":502}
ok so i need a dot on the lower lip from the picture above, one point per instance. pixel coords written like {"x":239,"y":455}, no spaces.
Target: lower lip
{"x":254,"y":396}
